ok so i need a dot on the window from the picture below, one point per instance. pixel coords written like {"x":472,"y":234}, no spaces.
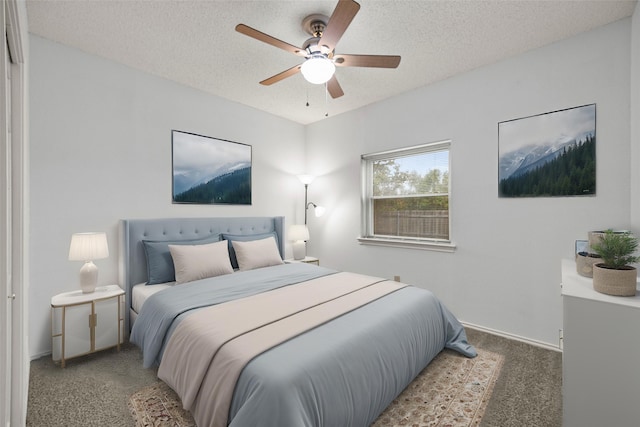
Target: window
{"x":406,"y":197}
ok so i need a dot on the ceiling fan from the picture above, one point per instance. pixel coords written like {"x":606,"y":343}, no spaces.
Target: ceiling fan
{"x":318,"y":51}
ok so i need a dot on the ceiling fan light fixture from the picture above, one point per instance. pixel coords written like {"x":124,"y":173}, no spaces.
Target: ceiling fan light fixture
{"x":318,"y":69}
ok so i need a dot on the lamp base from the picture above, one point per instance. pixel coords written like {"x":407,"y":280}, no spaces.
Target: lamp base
{"x":88,"y":277}
{"x":299,"y":249}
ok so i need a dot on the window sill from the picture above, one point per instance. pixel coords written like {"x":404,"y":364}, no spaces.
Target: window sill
{"x":409,"y":244}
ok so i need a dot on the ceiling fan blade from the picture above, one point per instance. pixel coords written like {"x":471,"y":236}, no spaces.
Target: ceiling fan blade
{"x":377,"y":61}
{"x":281,"y":76}
{"x":266,"y":38}
{"x":340,"y":19}
{"x":334,"y":87}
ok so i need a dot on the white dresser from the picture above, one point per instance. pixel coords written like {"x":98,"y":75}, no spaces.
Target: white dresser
{"x":601,"y":355}
{"x":86,"y":323}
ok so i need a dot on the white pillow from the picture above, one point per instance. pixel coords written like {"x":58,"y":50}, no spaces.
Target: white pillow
{"x":257,"y":253}
{"x":194,"y":262}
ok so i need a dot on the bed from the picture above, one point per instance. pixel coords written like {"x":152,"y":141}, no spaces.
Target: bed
{"x":279,"y":345}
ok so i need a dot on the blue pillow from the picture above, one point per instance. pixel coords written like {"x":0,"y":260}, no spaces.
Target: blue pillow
{"x":159,"y":262}
{"x":245,"y":238}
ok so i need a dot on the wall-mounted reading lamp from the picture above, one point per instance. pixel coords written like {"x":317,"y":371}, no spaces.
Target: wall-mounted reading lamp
{"x":306,"y":180}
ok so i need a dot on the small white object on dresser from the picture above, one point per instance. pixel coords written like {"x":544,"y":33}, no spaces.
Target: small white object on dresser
{"x":307,"y":259}
{"x":83,"y":323}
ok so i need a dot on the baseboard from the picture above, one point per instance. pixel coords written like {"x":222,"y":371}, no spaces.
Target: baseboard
{"x":513,"y":337}
{"x":39,"y":355}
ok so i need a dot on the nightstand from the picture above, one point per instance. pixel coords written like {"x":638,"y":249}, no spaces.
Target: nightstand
{"x":85,"y":323}
{"x":307,"y":259}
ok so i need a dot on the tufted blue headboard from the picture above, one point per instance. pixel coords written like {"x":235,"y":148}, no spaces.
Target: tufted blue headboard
{"x":132,"y":259}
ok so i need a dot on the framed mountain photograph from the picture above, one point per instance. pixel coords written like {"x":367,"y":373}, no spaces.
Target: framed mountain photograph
{"x":210,"y":170}
{"x":548,"y":155}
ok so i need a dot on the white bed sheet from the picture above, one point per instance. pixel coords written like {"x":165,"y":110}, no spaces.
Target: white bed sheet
{"x":142,"y":291}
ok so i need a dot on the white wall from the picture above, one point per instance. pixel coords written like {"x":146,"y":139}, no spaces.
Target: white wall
{"x":635,"y":119}
{"x":505,"y":273}
{"x":101,"y":151}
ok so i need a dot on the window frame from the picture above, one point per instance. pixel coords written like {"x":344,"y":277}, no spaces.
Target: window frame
{"x":367,"y":236}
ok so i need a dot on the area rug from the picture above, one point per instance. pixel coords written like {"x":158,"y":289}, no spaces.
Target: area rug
{"x":453,"y":391}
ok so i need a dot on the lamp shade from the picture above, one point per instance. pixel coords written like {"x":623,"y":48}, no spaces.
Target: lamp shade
{"x":320,"y":210}
{"x":318,"y":69}
{"x":306,"y":179}
{"x":298,"y":232}
{"x":88,"y":246}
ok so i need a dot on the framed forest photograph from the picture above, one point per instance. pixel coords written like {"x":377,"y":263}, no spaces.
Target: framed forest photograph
{"x":548,"y":155}
{"x":209,"y":170}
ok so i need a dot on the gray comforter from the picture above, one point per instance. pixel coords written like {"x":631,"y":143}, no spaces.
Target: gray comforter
{"x":163,"y":311}
{"x":344,"y":373}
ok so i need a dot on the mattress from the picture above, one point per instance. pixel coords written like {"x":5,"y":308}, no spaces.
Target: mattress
{"x":142,"y":291}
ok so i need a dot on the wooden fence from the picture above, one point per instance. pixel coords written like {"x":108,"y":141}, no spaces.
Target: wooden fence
{"x":433,"y":224}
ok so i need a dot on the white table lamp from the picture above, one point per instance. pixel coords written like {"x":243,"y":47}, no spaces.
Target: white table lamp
{"x":87,"y":247}
{"x":299,"y":233}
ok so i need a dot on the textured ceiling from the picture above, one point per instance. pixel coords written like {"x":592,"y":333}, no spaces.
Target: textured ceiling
{"x":194,"y":42}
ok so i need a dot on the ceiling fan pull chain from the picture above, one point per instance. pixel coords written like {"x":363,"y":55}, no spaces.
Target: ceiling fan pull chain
{"x":326,"y":99}
{"x":307,"y":97}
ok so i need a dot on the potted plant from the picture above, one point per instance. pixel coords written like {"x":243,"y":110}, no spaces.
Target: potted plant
{"x":614,"y":275}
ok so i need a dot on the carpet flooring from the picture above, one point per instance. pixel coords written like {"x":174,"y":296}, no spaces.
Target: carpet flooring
{"x":94,"y":390}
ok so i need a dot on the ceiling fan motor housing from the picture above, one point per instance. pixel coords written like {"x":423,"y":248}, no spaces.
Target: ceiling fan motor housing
{"x":312,"y":47}
{"x":315,"y":25}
